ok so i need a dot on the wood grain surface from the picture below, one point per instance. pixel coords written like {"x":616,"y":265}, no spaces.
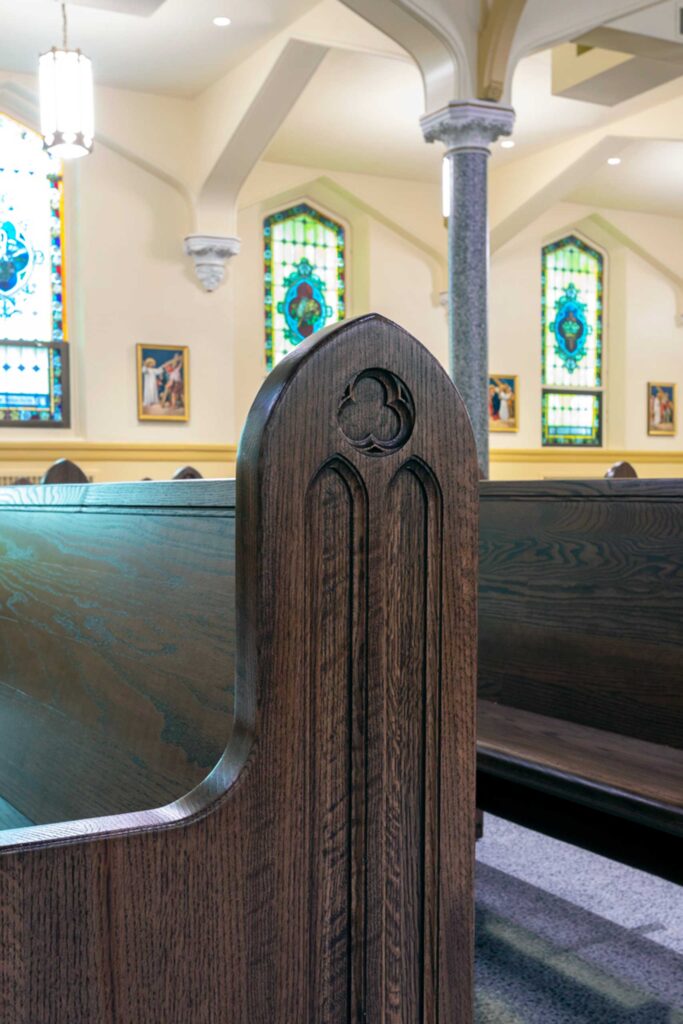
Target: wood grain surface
{"x":323,"y":871}
{"x":581,"y":603}
{"x":622,"y":775}
{"x":116,"y":649}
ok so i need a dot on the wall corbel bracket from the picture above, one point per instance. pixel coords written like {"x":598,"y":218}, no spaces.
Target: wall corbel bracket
{"x":211,"y":254}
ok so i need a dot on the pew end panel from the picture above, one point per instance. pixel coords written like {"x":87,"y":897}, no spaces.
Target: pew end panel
{"x":324,"y":870}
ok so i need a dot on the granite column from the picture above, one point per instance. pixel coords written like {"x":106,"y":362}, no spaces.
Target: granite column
{"x":468,"y":128}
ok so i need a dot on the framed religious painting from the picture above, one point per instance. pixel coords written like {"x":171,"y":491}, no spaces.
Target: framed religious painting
{"x":163,"y":383}
{"x":503,"y":403}
{"x":661,"y":409}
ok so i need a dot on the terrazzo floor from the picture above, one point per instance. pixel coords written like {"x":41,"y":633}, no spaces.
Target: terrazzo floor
{"x":567,"y":937}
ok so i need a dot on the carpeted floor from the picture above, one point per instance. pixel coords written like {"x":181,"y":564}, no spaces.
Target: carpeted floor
{"x":566,"y":937}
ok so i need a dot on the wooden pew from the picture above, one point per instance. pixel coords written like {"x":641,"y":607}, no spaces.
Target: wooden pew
{"x":621,"y":471}
{"x":64,"y":471}
{"x":187,"y":473}
{"x":322,"y":872}
{"x":580,"y":730}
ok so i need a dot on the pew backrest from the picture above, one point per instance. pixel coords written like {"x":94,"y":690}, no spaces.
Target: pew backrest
{"x":117,"y":644}
{"x":621,"y":471}
{"x":64,"y":471}
{"x":187,"y":473}
{"x":581,"y":603}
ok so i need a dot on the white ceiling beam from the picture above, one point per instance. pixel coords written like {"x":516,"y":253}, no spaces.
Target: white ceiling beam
{"x":262,"y":116}
{"x":546,"y":23}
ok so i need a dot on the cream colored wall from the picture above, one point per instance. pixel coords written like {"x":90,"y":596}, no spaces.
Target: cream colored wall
{"x":401,"y":288}
{"x":136,"y":286}
{"x":653,"y":351}
{"x":642,"y":343}
{"x":128,"y":282}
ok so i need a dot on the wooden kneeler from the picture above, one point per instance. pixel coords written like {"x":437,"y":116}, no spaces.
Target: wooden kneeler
{"x":323,"y":873}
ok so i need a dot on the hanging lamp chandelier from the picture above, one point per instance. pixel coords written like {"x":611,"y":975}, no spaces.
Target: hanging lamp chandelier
{"x":66,"y":100}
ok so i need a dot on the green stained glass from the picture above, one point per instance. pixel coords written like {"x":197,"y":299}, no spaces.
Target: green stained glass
{"x":304,"y":275}
{"x":572,"y":286}
{"x":572,"y":418}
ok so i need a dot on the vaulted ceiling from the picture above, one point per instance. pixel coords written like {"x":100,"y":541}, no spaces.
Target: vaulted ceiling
{"x":360,"y":112}
{"x":170,"y":47}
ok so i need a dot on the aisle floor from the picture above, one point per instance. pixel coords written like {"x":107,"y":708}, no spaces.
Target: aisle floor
{"x":567,"y":937}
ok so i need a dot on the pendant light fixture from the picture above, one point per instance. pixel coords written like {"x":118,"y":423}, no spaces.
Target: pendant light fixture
{"x":66,"y":100}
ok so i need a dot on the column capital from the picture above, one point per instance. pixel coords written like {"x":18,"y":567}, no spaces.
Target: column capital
{"x":210,"y":254}
{"x":468,"y":124}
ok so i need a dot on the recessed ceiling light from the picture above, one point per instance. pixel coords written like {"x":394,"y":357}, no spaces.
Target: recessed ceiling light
{"x":221,"y":22}
{"x":507,"y":144}
{"x":614,"y":161}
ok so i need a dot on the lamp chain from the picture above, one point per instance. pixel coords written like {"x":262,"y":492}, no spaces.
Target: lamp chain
{"x":64,"y":25}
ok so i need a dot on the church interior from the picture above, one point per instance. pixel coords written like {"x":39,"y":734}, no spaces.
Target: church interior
{"x":391,"y":728}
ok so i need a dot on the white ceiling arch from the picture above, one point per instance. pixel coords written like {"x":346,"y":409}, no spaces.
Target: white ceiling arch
{"x":441,"y":40}
{"x":444,"y":37}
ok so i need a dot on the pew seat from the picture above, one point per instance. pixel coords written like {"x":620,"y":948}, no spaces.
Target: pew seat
{"x":617,"y":775}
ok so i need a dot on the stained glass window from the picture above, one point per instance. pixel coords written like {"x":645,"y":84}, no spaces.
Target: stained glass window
{"x":571,"y":417}
{"x":572,"y":317}
{"x":305,"y":277}
{"x":32,"y":314}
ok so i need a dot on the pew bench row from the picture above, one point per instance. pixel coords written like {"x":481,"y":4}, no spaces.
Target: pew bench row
{"x":580,"y":728}
{"x":581,"y":655}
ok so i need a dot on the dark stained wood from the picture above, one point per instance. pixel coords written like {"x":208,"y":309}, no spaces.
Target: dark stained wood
{"x":116,"y":644}
{"x":581,"y":603}
{"x":187,"y":473}
{"x":323,"y":871}
{"x":10,"y":817}
{"x":621,"y":471}
{"x":640,"y":780}
{"x":654,"y":490}
{"x":64,"y":471}
{"x":581,"y":649}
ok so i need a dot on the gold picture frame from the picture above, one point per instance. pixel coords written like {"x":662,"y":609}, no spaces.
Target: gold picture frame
{"x":503,"y":400}
{"x":661,"y":409}
{"x":163,"y":373}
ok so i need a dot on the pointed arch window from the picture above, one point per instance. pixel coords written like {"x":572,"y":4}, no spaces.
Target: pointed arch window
{"x":572,"y":318}
{"x":305,"y":277}
{"x":33,"y":355}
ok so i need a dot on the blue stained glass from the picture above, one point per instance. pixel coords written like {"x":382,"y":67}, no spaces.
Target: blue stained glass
{"x":32,"y":315}
{"x":31,"y":230}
